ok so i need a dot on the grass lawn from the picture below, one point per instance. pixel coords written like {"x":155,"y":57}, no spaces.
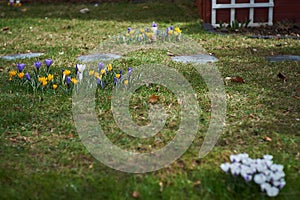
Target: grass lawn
{"x":42,"y":156}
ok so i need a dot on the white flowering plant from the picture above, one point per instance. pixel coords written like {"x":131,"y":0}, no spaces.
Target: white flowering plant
{"x":268,"y":175}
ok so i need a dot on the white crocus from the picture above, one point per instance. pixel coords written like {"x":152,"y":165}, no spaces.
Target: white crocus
{"x":260,"y":178}
{"x":282,"y":184}
{"x":225,"y":167}
{"x":277,"y":175}
{"x":235,"y":158}
{"x":276,"y":167}
{"x":265,"y":186}
{"x":276,"y":183}
{"x":247,"y":177}
{"x":263,"y":172}
{"x":80,"y":68}
{"x":272,"y":191}
{"x":261,"y":167}
{"x":235,"y":169}
{"x":154,"y":28}
{"x":268,"y":163}
{"x":268,"y":157}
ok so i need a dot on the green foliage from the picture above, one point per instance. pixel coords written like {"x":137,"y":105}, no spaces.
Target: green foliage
{"x":42,"y":157}
{"x":235,"y":25}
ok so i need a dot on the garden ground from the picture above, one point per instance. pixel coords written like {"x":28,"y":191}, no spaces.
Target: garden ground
{"x":42,"y":157}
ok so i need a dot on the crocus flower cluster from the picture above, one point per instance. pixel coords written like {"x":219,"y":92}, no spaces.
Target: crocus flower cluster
{"x":41,"y":78}
{"x":16,"y":3}
{"x":105,"y":75}
{"x":263,"y":171}
{"x":152,"y":34}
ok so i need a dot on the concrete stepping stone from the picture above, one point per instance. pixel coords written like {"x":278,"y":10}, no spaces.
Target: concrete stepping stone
{"x":198,"y":58}
{"x":21,"y":56}
{"x":98,"y":57}
{"x":282,"y":58}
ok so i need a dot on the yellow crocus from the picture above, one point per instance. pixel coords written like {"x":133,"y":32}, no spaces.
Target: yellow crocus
{"x":74,"y":81}
{"x":44,"y":83}
{"x":21,"y":75}
{"x":102,"y":71}
{"x":50,"y":77}
{"x":118,"y":76}
{"x":96,"y":74}
{"x":54,"y":86}
{"x":91,"y":72}
{"x":177,"y":30}
{"x":149,"y":35}
{"x":42,"y":79}
{"x":170,"y":32}
{"x":12,"y":73}
{"x":142,"y":30}
{"x":67,"y":72}
{"x":109,"y":67}
{"x":126,"y":82}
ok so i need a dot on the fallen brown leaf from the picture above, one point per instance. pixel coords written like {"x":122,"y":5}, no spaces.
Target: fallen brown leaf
{"x":13,"y":139}
{"x":5,"y":28}
{"x":197,"y":183}
{"x":267,"y":139}
{"x":296,"y":97}
{"x":236,"y":79}
{"x":153,"y":99}
{"x":170,"y":53}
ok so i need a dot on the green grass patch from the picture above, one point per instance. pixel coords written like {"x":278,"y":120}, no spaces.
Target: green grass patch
{"x":42,"y":156}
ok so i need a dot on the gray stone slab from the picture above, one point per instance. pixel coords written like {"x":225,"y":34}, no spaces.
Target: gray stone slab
{"x":198,"y":58}
{"x":21,"y":56}
{"x":98,"y":57}
{"x":282,"y":58}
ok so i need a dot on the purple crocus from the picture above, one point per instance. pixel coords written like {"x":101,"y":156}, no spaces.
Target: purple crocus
{"x":100,"y":65}
{"x":129,"y":29}
{"x":98,"y":81}
{"x":48,"y":62}
{"x":115,"y":80}
{"x":170,"y":28}
{"x":68,"y":80}
{"x":102,"y":84}
{"x":27,"y":75}
{"x":21,"y":67}
{"x":37,"y":65}
{"x":154,"y":24}
{"x":129,"y":70}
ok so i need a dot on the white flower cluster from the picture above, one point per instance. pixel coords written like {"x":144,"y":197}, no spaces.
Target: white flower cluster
{"x":263,"y":171}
